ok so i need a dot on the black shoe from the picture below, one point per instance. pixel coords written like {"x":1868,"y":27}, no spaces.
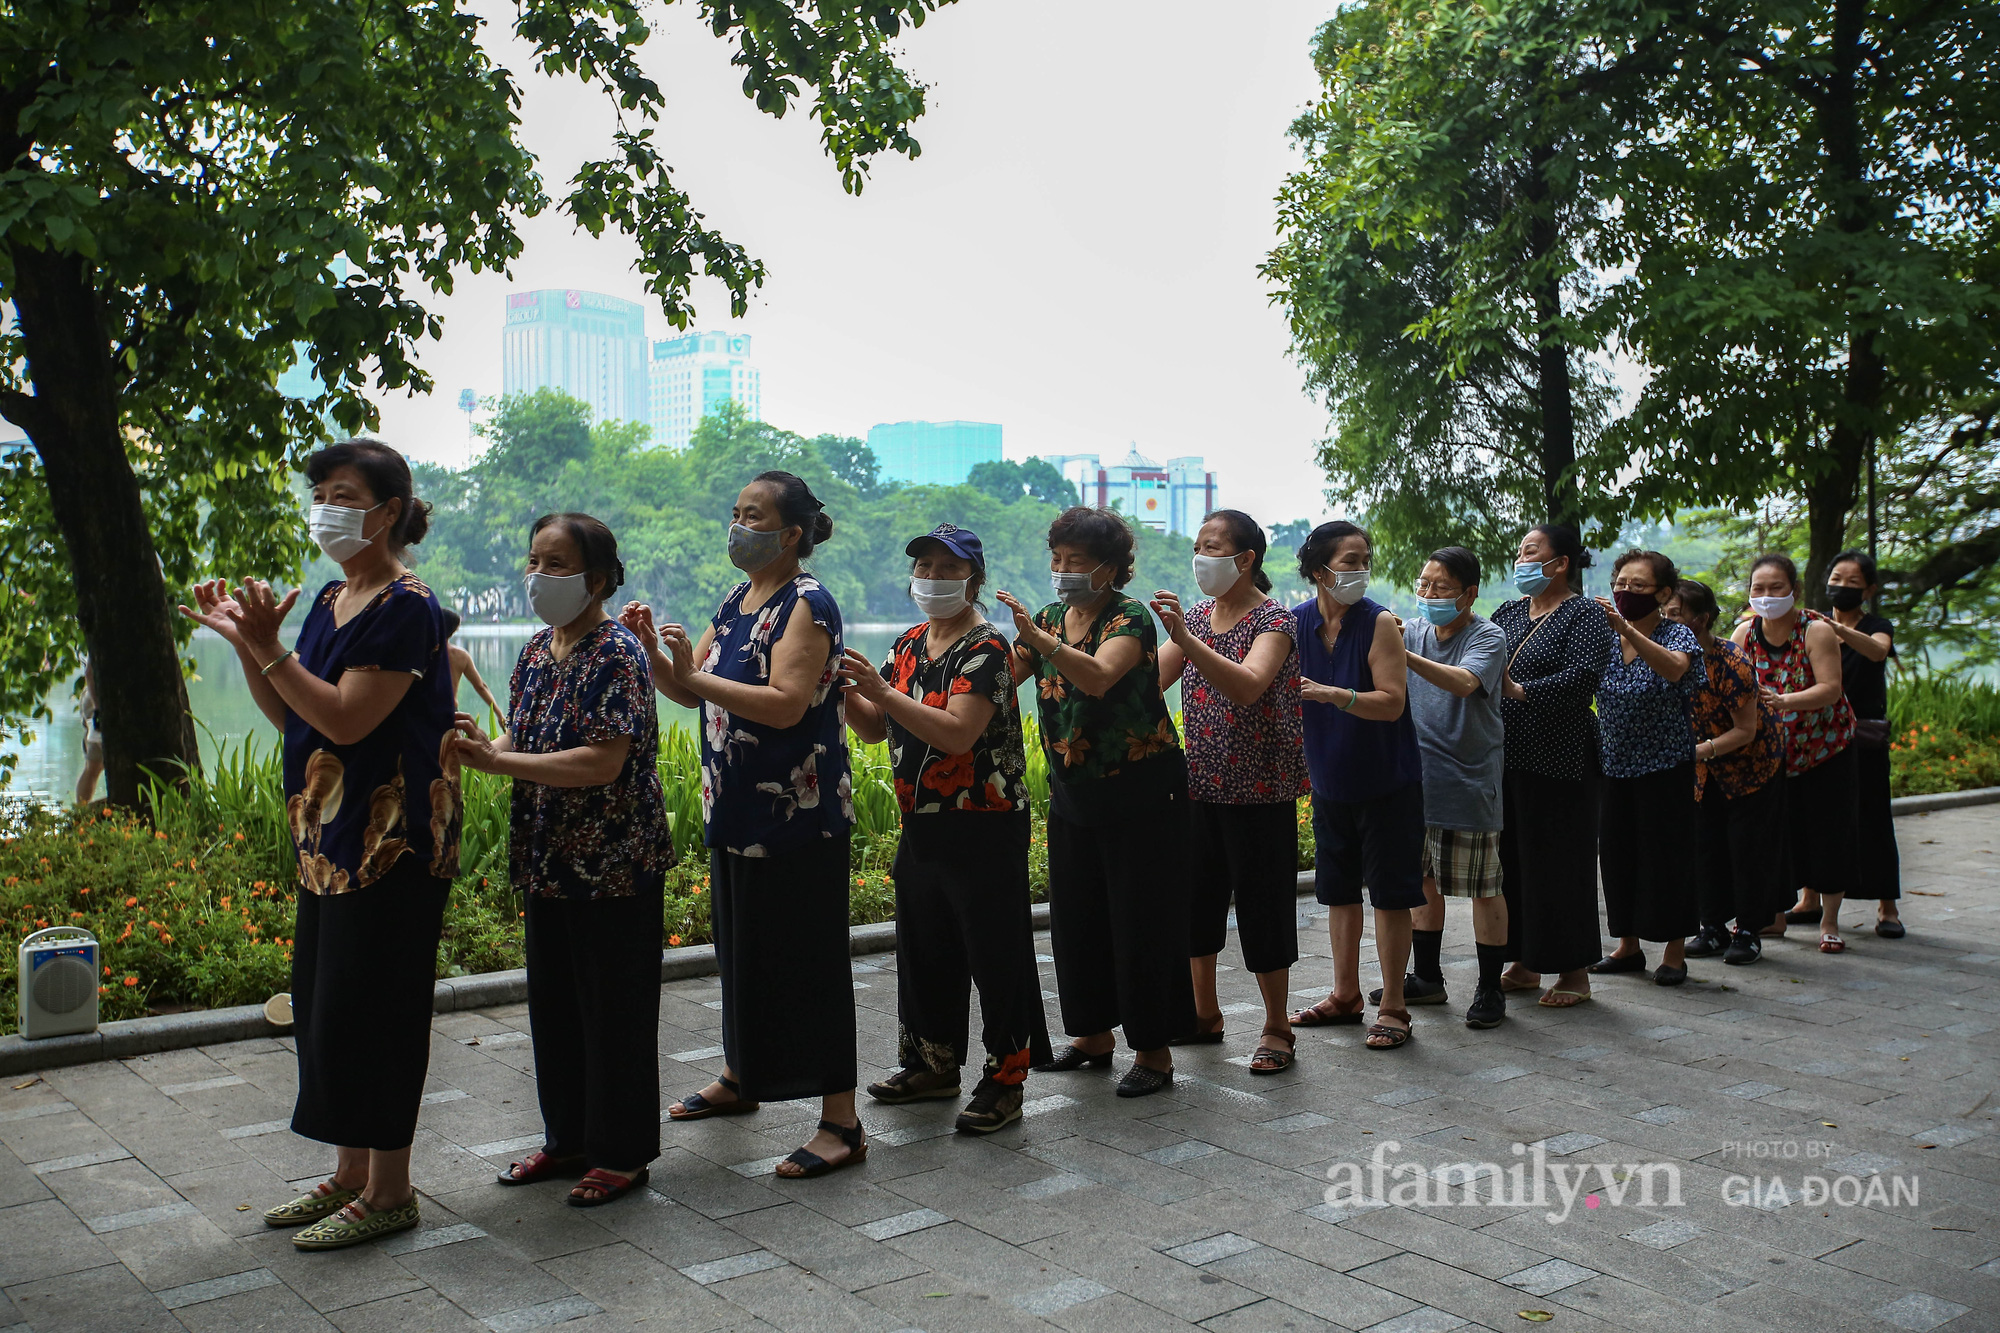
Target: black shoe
{"x":1488,"y":1008}
{"x":914,"y":1085}
{"x":994,"y":1105}
{"x":1669,"y":976}
{"x":1744,"y":947}
{"x":1200,"y":1037}
{"x":1140,"y":1081}
{"x":1889,"y":930}
{"x":1071,"y":1059}
{"x":1800,"y":916}
{"x":1611,"y":963}
{"x":1416,"y":990}
{"x":1711,"y":941}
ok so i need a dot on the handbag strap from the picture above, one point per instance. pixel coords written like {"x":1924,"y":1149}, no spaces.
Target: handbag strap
{"x":1533,"y":625}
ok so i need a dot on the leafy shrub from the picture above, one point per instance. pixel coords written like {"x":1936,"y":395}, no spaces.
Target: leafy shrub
{"x":1926,"y":759}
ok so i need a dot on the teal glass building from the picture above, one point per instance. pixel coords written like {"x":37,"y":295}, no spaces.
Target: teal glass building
{"x":933,"y":453}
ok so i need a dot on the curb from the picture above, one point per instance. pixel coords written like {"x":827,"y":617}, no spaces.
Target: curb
{"x":125,"y":1038}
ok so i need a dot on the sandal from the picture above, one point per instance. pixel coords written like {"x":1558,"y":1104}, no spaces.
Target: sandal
{"x":1382,"y":1037}
{"x":694,"y":1106}
{"x":536,"y":1166}
{"x":1200,"y":1036}
{"x":607,"y":1185}
{"x":1832,"y":944}
{"x":1074,"y":1057}
{"x":1799,"y":916}
{"x":1889,"y":928}
{"x":1515,"y":983}
{"x":1572,"y":998}
{"x":1143,"y":1081}
{"x":1319,"y":1016}
{"x":812,"y":1164}
{"x":1268,"y":1059}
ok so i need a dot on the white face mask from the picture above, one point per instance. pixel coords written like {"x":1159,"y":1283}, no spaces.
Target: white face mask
{"x":940,"y":599}
{"x":1770,"y":608}
{"x":338,"y":530}
{"x":1347,"y":585}
{"x":1215,"y":574}
{"x":558,"y":598}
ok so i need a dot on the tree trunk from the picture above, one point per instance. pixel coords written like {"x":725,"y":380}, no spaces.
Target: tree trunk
{"x":1552,"y":383}
{"x":120,"y":594}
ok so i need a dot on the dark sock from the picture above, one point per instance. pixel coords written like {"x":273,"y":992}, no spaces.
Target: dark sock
{"x":1424,"y":946}
{"x":1491,"y":960}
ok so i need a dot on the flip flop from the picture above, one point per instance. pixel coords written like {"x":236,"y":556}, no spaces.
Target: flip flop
{"x":1576,"y":998}
{"x":694,"y":1106}
{"x":1509,"y":983}
{"x":1319,"y":1016}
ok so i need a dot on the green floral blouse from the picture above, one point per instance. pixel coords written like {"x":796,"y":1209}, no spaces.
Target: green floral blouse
{"x":1086,"y":737}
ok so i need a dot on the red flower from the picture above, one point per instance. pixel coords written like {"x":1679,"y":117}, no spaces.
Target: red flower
{"x":949,"y":774}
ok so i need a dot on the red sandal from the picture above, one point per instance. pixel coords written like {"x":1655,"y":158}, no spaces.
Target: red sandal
{"x":536,"y":1166}
{"x":1319,"y":1016}
{"x":608,"y":1187}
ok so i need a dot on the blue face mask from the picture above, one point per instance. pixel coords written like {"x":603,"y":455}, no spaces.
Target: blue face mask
{"x":1440,"y":611}
{"x":1529,"y":578}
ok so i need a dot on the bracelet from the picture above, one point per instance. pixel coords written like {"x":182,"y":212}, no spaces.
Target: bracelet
{"x":1352,"y":695}
{"x":289,"y":652}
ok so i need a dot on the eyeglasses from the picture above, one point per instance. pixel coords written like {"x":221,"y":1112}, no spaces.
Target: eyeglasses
{"x":1425,"y":588}
{"x":1626,"y":585}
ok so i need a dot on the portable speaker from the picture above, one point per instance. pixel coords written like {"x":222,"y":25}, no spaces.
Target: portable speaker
{"x":58,"y":982}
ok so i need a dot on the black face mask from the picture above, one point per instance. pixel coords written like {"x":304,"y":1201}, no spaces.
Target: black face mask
{"x":1845,"y":598}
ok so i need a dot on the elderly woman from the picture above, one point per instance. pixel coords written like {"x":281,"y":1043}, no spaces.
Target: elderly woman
{"x":779,"y":811}
{"x":1558,"y":644}
{"x":372,"y":794}
{"x":588,"y":849}
{"x":1739,"y":759}
{"x":945,"y":703}
{"x":1796,"y":656}
{"x":1235,"y":655}
{"x":1118,"y":911}
{"x":1867,"y":642}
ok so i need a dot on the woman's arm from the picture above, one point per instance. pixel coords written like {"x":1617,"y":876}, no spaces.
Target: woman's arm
{"x":479,"y":688}
{"x":1385,"y":702}
{"x":798,"y":660}
{"x":215,"y":608}
{"x":1241,"y":683}
{"x":1823,"y":651}
{"x":593,"y":764}
{"x":1668,"y":664}
{"x":864,"y":719}
{"x":1874,"y":647}
{"x":344,"y":710}
{"x":638,"y":617}
{"x":1171,"y":660}
{"x":1093,"y":673}
{"x":1743,"y":721}
{"x":950,"y":730}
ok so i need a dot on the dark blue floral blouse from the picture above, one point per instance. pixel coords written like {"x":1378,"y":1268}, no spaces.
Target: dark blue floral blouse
{"x":1645,"y":720}
{"x":611,"y":841}
{"x":768,"y":790}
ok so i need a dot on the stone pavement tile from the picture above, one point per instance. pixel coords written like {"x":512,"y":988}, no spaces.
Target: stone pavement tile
{"x":1465,"y":1246}
{"x":1335,"y":1297}
{"x":1116,"y":1313}
{"x":943,"y":1306}
{"x":177,"y":1251}
{"x":1101,"y":1207}
{"x":443,"y":1167}
{"x":44,"y":1137}
{"x":1765,"y":1306}
{"x":1910,"y":1270}
{"x":334,"y":1279}
{"x":625,"y":1280}
{"x":964,"y":1260}
{"x":422,"y":1311}
{"x":171,"y":1140}
{"x":676,"y":1235}
{"x":17,"y":1183}
{"x":821,"y":1246}
{"x":113,"y":1187}
{"x":220,"y":1191}
{"x":274,"y":1308}
{"x":91,"y":1301}
{"x":1128,"y":1264}
{"x":484,"y":1278}
{"x":984,"y":1205}
{"x":532,"y":1220}
{"x":10,"y":1317}
{"x":711,"y":1190}
{"x":1284,"y":1187}
{"x":1122,"y":1170}
{"x":1920,"y":1312}
{"x":1327,"y":1244}
{"x":1438,"y":1286}
{"x":46,"y":1240}
{"x":1269,"y":1316}
{"x":787,"y":1299}
{"x":1271,"y":1141}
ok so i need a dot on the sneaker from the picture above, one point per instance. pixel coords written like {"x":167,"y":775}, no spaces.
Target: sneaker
{"x":1744,"y":947}
{"x":994,"y":1105}
{"x":1711,"y":941}
{"x":1415,"y":991}
{"x":1489,"y":1007}
{"x":914,"y":1085}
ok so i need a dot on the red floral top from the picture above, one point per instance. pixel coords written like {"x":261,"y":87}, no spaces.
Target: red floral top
{"x":992,"y":775}
{"x":1243,"y":755}
{"x":1731,"y":680}
{"x":1810,"y":738}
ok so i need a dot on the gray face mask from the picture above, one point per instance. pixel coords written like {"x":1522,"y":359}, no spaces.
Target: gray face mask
{"x":750,"y":550}
{"x":1074,"y":589}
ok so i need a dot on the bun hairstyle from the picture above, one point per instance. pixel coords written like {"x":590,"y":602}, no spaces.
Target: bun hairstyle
{"x":1698,"y":600}
{"x":595,"y":546}
{"x":1564,"y":541}
{"x":799,"y":508}
{"x":1321,"y":543}
{"x":1245,"y":535}
{"x":1780,"y":561}
{"x":388,"y":476}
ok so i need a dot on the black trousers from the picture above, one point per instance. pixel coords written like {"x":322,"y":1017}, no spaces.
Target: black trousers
{"x":364,"y":966}
{"x":962,"y":919}
{"x":1822,"y":807}
{"x":1647,"y":896}
{"x":1741,"y":846}
{"x":594,"y":1010}
{"x":1880,"y":863}
{"x":1548,"y":866}
{"x":1250,"y":852}
{"x":1118,"y":918}
{"x":787,"y":972}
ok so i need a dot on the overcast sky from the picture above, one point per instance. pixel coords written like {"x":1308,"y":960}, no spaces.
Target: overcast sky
{"x":1074,"y":255}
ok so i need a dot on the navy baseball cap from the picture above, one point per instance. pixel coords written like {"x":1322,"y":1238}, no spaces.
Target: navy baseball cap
{"x":961,"y":542}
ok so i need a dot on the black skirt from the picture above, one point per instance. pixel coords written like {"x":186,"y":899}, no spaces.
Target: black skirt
{"x":1647,"y":895}
{"x":1548,"y":866}
{"x":364,"y":970}
{"x":787,"y":974}
{"x":1879,"y":863}
{"x":1823,"y":810}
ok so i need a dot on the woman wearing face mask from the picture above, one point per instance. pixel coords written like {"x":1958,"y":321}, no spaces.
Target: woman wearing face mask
{"x":1647,"y":750}
{"x":777,"y":809}
{"x":372,"y":794}
{"x":1235,"y":654}
{"x":1796,"y":655}
{"x":588,"y":849}
{"x":948,"y":712}
{"x":1867,"y":642}
{"x":1558,"y":644}
{"x":1367,"y":777}
{"x":1117,"y":802}
{"x":1739,"y":760}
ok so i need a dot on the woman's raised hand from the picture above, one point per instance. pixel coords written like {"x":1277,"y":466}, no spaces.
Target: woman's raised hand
{"x":1618,"y":622}
{"x":1024,"y":620}
{"x":475,"y":748}
{"x":638,"y":617}
{"x":260,"y":614}
{"x":1167,"y":606}
{"x":215,"y":608}
{"x":679,"y":651}
{"x":859,"y":675}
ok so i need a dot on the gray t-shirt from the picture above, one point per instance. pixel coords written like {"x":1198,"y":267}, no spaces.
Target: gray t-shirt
{"x":1462,"y":741}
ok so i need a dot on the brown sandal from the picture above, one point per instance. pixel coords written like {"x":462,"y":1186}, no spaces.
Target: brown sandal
{"x":1389,"y":1038}
{"x":1319,"y":1016}
{"x":1268,"y":1059}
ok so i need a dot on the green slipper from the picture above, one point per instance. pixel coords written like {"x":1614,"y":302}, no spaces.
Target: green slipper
{"x":326,"y":1197}
{"x":337,"y":1232}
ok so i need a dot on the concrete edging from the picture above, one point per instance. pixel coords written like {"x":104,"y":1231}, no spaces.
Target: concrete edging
{"x":125,"y":1038}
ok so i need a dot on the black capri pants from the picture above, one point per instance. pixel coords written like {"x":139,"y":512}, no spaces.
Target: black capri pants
{"x":1249,"y":852}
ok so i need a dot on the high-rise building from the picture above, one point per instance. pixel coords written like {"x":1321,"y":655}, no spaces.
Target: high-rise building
{"x":1190,"y":494}
{"x":1170,"y":498}
{"x":933,"y":453}
{"x":691,"y":376}
{"x":588,"y":345}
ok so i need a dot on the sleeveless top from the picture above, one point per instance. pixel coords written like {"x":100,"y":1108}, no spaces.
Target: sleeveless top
{"x":1810,"y":738}
{"x":1243,"y":754}
{"x":1351,"y":758}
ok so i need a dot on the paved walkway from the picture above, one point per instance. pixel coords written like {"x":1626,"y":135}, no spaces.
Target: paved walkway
{"x":130,"y":1192}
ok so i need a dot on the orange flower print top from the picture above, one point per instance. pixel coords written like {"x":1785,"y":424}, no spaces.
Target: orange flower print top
{"x":992,"y":775}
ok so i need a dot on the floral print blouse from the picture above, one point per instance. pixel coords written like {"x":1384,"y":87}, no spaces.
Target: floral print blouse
{"x":767,"y":790}
{"x":1729,"y":681}
{"x":992,"y":775}
{"x":1240,"y":755}
{"x":1088,"y":738}
{"x":355,"y":810}
{"x":1810,"y":738}
{"x":611,"y":841}
{"x":1642,"y":716}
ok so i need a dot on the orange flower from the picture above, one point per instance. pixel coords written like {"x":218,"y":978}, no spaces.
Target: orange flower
{"x":131,"y":902}
{"x":260,"y":884}
{"x":131,"y":981}
{"x":225,"y":901}
{"x":674,"y":940}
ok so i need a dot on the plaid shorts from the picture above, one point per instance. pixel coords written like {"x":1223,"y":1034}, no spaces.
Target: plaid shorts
{"x":1465,"y":865}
